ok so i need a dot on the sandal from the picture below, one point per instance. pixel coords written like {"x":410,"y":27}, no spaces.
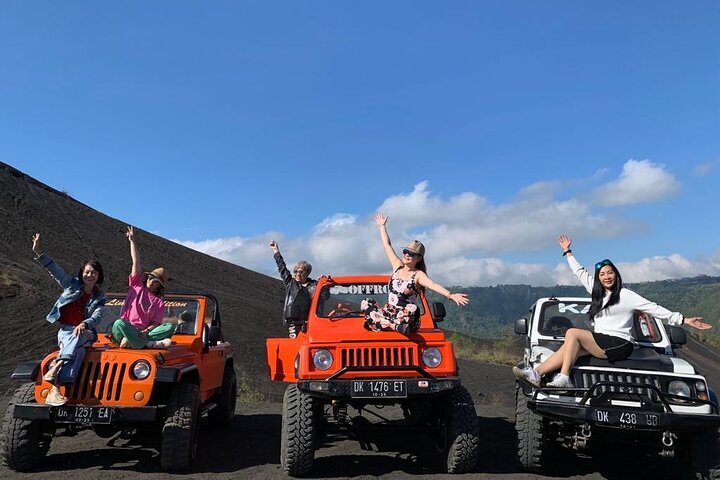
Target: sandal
{"x":55,"y":398}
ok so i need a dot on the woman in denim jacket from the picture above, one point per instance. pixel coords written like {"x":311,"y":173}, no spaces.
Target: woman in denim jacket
{"x":77,"y":310}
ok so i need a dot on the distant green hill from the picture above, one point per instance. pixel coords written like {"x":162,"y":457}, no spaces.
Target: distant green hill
{"x":493,"y":310}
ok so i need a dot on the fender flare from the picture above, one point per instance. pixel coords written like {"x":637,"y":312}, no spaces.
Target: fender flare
{"x":26,"y":371}
{"x":176,"y":373}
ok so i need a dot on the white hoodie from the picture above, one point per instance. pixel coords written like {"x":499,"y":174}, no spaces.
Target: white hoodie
{"x":617,"y":320}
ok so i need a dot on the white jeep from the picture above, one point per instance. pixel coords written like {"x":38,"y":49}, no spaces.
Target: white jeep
{"x":654,"y":401}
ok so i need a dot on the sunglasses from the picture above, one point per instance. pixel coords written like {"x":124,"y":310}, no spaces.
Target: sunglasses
{"x":410,"y":254}
{"x":602,"y":263}
{"x":299,"y":271}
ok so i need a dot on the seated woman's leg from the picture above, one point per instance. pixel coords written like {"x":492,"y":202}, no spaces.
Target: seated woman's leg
{"x":373,"y":315}
{"x":123,"y":330}
{"x":554,"y":362}
{"x":579,"y":342}
{"x":161,"y":332}
{"x":69,"y":371}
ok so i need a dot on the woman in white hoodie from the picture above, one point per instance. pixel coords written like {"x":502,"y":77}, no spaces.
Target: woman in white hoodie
{"x":612,"y":310}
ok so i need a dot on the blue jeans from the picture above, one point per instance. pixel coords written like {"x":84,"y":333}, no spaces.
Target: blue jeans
{"x":72,"y":349}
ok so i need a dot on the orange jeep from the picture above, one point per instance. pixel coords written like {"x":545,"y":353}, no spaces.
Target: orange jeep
{"x":335,"y":363}
{"x":123,"y":389}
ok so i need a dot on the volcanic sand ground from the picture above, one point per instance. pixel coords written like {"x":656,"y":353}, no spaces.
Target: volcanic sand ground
{"x":249,"y":448}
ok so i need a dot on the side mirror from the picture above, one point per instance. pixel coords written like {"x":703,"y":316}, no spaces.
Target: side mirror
{"x":212,"y":335}
{"x":437,"y":311}
{"x":521,"y":327}
{"x":677,"y":335}
{"x":292,"y":313}
{"x":216,"y":335}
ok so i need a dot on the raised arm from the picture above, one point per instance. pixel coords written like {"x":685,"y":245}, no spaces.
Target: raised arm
{"x":280,"y":262}
{"x":653,"y":309}
{"x":395,"y":261}
{"x":134,"y":254}
{"x":60,"y":276}
{"x":580,"y":272}
{"x":459,"y":298}
{"x":36,"y":245}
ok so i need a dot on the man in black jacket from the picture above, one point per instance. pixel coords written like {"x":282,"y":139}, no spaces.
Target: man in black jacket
{"x":299,"y":287}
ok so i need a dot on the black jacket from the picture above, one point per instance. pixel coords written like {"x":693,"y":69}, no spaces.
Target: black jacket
{"x":295,"y":294}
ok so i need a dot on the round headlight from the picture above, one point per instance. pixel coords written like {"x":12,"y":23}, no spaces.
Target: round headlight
{"x":432,"y":357}
{"x":141,"y":369}
{"x":700,"y":386}
{"x":322,"y":359}
{"x":678,"y":387}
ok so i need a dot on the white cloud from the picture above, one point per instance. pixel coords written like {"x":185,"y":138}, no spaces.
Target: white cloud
{"x":702,"y":169}
{"x":466,"y":234}
{"x":641,"y":181}
{"x":250,"y":253}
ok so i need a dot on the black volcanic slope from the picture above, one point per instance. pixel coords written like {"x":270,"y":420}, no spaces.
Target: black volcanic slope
{"x":250,"y":302}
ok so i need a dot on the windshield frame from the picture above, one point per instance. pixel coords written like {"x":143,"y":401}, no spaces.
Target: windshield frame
{"x":348,"y":303}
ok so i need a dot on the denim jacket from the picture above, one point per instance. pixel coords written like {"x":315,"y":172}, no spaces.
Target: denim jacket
{"x":72,"y":290}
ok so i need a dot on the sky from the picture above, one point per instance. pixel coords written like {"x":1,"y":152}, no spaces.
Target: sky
{"x":483,"y":129}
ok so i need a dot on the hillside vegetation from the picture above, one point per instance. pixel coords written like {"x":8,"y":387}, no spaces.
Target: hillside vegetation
{"x":493,"y":310}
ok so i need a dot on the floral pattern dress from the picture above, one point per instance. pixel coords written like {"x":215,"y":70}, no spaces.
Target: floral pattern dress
{"x":400,"y":313}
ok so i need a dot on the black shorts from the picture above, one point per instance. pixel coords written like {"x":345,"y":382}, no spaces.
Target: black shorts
{"x":616,"y":348}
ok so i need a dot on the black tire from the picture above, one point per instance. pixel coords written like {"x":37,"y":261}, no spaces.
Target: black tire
{"x":461,"y":440}
{"x":178,"y":446}
{"x":224,"y":411}
{"x":297,"y":438}
{"x":704,"y":455}
{"x":23,"y":443}
{"x":531,"y":433}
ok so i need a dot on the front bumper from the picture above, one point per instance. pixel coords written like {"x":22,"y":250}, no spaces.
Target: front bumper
{"x":642,"y":418}
{"x":117,"y":415}
{"x":623,"y":410}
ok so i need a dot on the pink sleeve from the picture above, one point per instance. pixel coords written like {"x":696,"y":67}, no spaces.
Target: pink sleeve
{"x":160,"y":312}
{"x":135,"y":280}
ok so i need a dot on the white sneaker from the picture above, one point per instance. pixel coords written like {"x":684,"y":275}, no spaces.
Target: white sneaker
{"x":528,"y":374}
{"x":561,"y":381}
{"x":164,"y":343}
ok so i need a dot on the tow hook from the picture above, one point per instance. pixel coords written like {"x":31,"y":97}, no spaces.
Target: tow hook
{"x":668,"y":440}
{"x":581,"y":437}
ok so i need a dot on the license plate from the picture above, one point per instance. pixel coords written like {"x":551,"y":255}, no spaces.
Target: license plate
{"x":626,"y":418}
{"x":379,"y":389}
{"x":85,"y":415}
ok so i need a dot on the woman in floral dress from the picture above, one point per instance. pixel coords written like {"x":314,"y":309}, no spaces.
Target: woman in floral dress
{"x":409,"y":276}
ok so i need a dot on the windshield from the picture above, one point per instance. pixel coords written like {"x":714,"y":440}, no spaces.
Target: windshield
{"x":343,"y":300}
{"x":557,"y":317}
{"x":178,"y":311}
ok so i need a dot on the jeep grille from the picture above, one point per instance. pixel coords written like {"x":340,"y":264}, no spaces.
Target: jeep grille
{"x":98,"y":381}
{"x":378,"y":357}
{"x":587,"y":378}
